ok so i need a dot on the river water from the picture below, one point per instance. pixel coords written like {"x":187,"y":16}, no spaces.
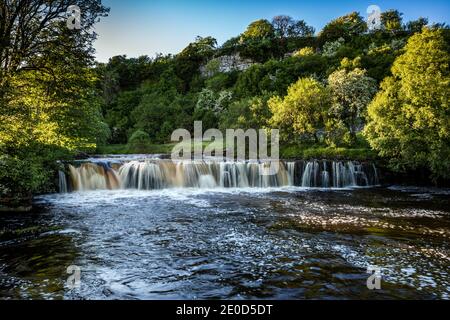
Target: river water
{"x":272,"y":243}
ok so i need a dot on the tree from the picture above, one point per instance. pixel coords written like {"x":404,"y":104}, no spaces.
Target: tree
{"x":210,"y":105}
{"x":282,"y":25}
{"x":138,"y":141}
{"x":247,"y":113}
{"x":118,"y":114}
{"x":49,"y":105}
{"x":286,"y":27}
{"x":188,"y":62}
{"x":416,"y":25}
{"x":409,"y":118}
{"x":351,"y":92}
{"x":258,"y":30}
{"x":345,"y":27}
{"x":304,"y":52}
{"x":300,"y":29}
{"x":29,"y":27}
{"x":302,"y":110}
{"x":391,"y":21}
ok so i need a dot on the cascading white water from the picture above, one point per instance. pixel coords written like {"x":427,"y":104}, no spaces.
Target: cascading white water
{"x":160,"y":174}
{"x":62,"y":182}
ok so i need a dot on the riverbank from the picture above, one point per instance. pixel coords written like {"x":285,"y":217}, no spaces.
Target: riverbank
{"x":301,"y":152}
{"x":16,"y":204}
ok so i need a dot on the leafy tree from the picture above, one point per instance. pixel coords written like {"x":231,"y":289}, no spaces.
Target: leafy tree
{"x":391,"y":21}
{"x":258,"y":30}
{"x":306,"y":51}
{"x":409,"y":117}
{"x":188,"y":62}
{"x":210,"y":105}
{"x":282,"y":25}
{"x":222,"y":81}
{"x":416,"y":25}
{"x":378,"y":61}
{"x":331,"y":48}
{"x":277,"y":76}
{"x":49,"y":106}
{"x":302,"y":110}
{"x":138,"y":141}
{"x":351,"y":92}
{"x":300,"y":29}
{"x":345,"y":27}
{"x":286,"y":27}
{"x":118,"y":115}
{"x":247,"y":113}
{"x":258,"y":42}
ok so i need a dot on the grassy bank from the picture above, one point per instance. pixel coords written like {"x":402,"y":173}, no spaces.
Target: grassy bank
{"x":126,"y":149}
{"x":320,"y":152}
{"x":286,"y":152}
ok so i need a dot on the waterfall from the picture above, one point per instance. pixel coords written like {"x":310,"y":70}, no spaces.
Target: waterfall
{"x":62,"y":183}
{"x":160,"y":174}
{"x":310,"y":173}
{"x":291,"y":173}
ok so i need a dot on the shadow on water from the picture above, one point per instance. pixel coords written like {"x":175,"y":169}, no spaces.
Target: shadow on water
{"x":34,"y":254}
{"x":284,"y":243}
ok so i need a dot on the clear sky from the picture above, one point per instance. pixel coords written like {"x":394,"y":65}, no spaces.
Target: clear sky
{"x":147,"y":27}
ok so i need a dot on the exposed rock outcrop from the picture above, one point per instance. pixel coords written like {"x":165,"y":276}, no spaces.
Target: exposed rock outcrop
{"x":225,"y":64}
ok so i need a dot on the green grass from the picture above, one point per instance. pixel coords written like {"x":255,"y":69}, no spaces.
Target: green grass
{"x":361,"y":150}
{"x":141,"y":149}
{"x":320,"y":152}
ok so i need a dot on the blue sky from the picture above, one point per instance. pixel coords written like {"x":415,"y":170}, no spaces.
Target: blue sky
{"x":138,"y":27}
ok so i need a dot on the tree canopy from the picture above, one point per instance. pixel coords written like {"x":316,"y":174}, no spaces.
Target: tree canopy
{"x":409,"y":119}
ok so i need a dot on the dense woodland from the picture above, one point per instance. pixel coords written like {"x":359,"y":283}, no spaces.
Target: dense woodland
{"x":383,"y":92}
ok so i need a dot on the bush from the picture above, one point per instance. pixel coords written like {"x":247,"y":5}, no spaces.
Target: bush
{"x":139,"y":140}
{"x":19,"y":178}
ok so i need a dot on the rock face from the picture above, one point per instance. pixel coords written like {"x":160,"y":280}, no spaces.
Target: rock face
{"x":226,"y":64}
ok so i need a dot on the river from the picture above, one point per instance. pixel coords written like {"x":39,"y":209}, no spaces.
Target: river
{"x":286,"y":242}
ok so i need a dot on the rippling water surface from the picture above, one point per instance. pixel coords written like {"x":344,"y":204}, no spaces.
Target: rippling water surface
{"x":288,"y":243}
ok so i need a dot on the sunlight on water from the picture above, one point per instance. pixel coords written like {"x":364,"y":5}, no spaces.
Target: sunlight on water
{"x":284,"y":242}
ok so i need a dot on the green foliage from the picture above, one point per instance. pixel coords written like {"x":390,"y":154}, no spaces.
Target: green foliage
{"x":391,"y":21}
{"x":416,"y":25}
{"x":286,"y":27}
{"x":318,"y":151}
{"x":139,"y":137}
{"x":302,"y":111}
{"x":118,"y":115}
{"x":331,"y":48}
{"x":210,"y":105}
{"x":351,"y":92}
{"x":258,"y":30}
{"x":54,"y":103}
{"x":139,"y":141}
{"x":378,"y":61}
{"x":306,"y":51}
{"x":15,"y":176}
{"x":409,"y":117}
{"x":345,"y":27}
{"x":221,"y":81}
{"x":277,"y":76}
{"x":49,"y":105}
{"x":247,"y":113}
